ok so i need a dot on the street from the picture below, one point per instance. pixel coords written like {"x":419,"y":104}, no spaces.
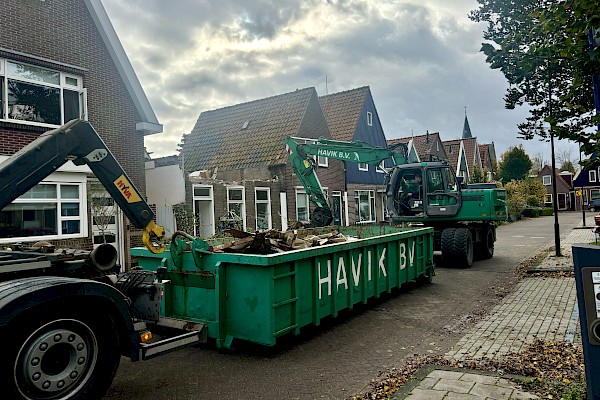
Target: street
{"x":339,"y":358}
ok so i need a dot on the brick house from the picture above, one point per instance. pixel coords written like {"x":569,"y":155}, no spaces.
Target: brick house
{"x":563,"y":188}
{"x":427,"y":147}
{"x":588,"y":181}
{"x":239,"y":167}
{"x":60,"y":60}
{"x":352,"y":116}
{"x":487,"y":152}
{"x":455,"y":149}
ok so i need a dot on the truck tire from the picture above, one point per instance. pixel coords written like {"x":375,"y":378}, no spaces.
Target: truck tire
{"x":447,"y":245}
{"x":485,"y":249}
{"x":463,"y":247}
{"x":60,"y":355}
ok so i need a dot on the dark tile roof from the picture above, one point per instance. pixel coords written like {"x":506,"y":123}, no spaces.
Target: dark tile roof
{"x":251,"y":134}
{"x":471,"y":153}
{"x":166,"y":161}
{"x":452,"y":148}
{"x":484,"y":153}
{"x":342,"y":111}
{"x":422,"y":143}
{"x":466,"y":129}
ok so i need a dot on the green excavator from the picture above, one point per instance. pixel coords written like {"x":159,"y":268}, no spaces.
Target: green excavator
{"x":426,"y":193}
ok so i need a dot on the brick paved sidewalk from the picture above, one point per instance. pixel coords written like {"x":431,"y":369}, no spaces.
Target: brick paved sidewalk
{"x":539,"y":308}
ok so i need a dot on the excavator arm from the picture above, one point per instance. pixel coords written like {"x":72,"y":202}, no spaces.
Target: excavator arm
{"x":77,"y":141}
{"x":301,"y":150}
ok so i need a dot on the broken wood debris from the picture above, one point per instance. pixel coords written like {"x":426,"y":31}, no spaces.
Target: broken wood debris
{"x":274,"y":241}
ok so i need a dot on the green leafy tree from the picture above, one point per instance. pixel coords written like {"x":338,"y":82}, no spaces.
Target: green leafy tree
{"x":477,"y":175}
{"x":567,"y":166}
{"x":542,"y":48}
{"x":514,"y":165}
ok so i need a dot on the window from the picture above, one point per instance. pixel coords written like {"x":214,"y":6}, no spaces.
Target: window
{"x":235,"y":203}
{"x":262,"y":203}
{"x":48,"y":210}
{"x":547,"y":180}
{"x":593,"y":176}
{"x":302,"y":211}
{"x":39,"y":96}
{"x":363,"y":166}
{"x":380,"y":167}
{"x":365,"y":205}
{"x":369,"y":118}
{"x":322,"y":161}
{"x":594,"y":194}
{"x":548,"y":199}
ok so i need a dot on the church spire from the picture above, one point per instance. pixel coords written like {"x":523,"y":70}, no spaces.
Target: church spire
{"x":466,"y":128}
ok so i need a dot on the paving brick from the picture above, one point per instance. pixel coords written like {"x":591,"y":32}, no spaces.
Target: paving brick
{"x":462,"y":396}
{"x":427,"y":394}
{"x":453,"y":385}
{"x":479,"y":378}
{"x":491,"y":391}
{"x":428,"y":383}
{"x":439,"y":373}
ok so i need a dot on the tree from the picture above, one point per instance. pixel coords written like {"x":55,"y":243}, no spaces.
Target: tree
{"x":514,"y":165}
{"x":568,"y":166}
{"x":477,"y":175}
{"x":542,"y":48}
{"x":538,"y":163}
{"x":102,"y":207}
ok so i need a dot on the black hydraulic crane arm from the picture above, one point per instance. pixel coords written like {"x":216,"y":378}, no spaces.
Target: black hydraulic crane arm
{"x":78,"y":141}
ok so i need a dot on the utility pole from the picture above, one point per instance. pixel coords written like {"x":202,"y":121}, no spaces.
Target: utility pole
{"x":554,"y":191}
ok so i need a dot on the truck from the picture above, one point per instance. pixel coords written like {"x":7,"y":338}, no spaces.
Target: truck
{"x":427,"y":194}
{"x":66,"y":315}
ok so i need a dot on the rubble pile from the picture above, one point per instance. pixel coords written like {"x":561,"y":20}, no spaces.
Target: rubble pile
{"x":274,"y":241}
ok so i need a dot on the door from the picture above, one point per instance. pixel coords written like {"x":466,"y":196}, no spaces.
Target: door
{"x":204,"y":215}
{"x":443,"y":192}
{"x":562,"y":201}
{"x":336,"y":207}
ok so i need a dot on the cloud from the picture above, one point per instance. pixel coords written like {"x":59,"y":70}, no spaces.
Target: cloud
{"x":420,"y":57}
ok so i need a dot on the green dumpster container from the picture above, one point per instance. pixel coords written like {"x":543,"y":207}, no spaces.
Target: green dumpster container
{"x":262,"y":297}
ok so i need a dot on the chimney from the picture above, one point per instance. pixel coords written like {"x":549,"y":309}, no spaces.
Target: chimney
{"x":427,"y":137}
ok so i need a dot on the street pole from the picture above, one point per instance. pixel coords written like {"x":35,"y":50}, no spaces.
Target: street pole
{"x":554,"y":191}
{"x":582,"y":207}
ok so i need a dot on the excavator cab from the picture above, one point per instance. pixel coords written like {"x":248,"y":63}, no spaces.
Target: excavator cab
{"x":426,"y":189}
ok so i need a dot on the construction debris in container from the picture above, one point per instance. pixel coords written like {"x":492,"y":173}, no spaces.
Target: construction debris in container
{"x":274,"y":241}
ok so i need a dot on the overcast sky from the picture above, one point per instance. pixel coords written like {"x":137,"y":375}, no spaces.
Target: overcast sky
{"x":420,"y":57}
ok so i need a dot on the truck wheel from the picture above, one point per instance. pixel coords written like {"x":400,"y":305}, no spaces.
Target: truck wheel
{"x":463,"y":245}
{"x":485,"y":249}
{"x":447,"y":245}
{"x":65,"y":356}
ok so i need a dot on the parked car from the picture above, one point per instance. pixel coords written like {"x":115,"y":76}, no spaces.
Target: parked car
{"x":594,"y":205}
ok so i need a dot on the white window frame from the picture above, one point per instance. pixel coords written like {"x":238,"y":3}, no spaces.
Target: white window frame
{"x":242,"y":202}
{"x":372,"y":207}
{"x":594,"y":197}
{"x":322,"y":161}
{"x":302,"y":192}
{"x":380,"y":167}
{"x":61,"y":86}
{"x":593,"y":176}
{"x":547,"y":180}
{"x":210,"y":197}
{"x":548,"y":198}
{"x":369,"y":118}
{"x":58,"y":181}
{"x":267,"y":202}
{"x":363,"y":166}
